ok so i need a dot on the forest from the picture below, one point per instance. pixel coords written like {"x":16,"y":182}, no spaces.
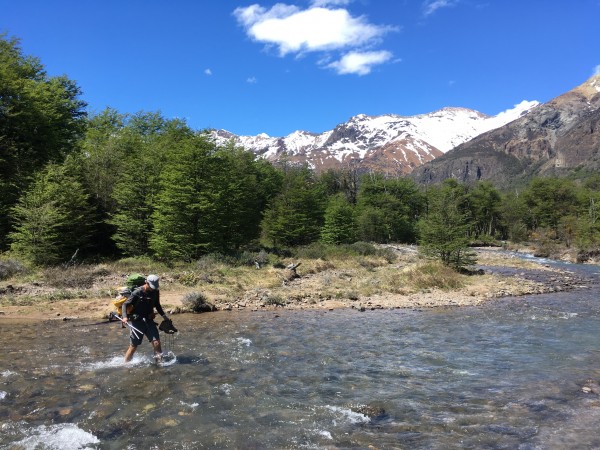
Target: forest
{"x":88,"y":187}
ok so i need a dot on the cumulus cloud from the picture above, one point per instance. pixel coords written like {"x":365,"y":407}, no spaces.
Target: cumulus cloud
{"x":251,"y":80}
{"x":597,"y":70}
{"x":360,"y":63}
{"x":323,"y":27}
{"x":329,"y":2}
{"x":431,"y":6}
{"x":207,"y":72}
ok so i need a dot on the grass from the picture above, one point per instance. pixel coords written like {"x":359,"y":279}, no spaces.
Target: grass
{"x":348,"y":273}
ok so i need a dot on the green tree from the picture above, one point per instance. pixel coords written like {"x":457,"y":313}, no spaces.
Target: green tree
{"x":388,"y":209}
{"x":484,"y":201}
{"x":53,"y":217}
{"x":241,"y":188}
{"x":514,"y":212}
{"x":444,"y":229}
{"x":295,"y":216}
{"x":548,"y":200}
{"x":346,"y":181}
{"x":41,"y":121}
{"x":183,"y":203}
{"x":339,"y":226}
{"x":136,"y":191}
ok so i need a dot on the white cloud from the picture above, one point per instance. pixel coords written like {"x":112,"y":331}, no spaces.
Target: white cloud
{"x":251,"y":80}
{"x":431,"y":6}
{"x":360,"y":63}
{"x":329,"y":2}
{"x":207,"y":72}
{"x":322,"y":28}
{"x":597,"y":70}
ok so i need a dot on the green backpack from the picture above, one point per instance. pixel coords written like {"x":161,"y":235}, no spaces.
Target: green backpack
{"x":132,"y":282}
{"x":135,"y":280}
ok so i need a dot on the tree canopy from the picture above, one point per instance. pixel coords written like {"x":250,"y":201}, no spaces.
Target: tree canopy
{"x":42,"y":120}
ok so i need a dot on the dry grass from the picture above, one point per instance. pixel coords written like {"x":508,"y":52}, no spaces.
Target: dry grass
{"x":389,"y":277}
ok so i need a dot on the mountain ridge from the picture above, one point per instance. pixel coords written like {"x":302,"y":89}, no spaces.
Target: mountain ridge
{"x":388,"y":143}
{"x":554,"y":138}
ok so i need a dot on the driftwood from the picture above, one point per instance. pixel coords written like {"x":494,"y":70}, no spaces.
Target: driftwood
{"x":290,"y":273}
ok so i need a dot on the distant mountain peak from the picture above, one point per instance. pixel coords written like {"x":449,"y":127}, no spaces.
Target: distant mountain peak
{"x":554,"y":138}
{"x":390,"y":143}
{"x":590,"y":88}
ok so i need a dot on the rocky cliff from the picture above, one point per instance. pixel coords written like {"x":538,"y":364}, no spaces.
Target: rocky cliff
{"x":554,"y":138}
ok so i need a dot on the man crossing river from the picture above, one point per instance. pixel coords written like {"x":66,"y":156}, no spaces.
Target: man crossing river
{"x":144,"y":300}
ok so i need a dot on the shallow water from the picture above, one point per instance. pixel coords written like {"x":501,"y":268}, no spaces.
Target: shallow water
{"x":504,"y":375}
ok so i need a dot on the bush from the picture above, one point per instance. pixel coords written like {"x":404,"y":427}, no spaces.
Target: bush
{"x":141,"y":264}
{"x":196,"y":302}
{"x":11,"y":267}
{"x":363,"y":248}
{"x":435,"y":275}
{"x":316,"y":250}
{"x":75,"y":277}
{"x":213,"y":260}
{"x":275,"y":300}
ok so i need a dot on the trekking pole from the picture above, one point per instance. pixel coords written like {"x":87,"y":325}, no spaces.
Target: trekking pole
{"x":137,"y":332}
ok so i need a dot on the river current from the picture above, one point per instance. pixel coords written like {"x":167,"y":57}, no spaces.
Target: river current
{"x":505,"y":375}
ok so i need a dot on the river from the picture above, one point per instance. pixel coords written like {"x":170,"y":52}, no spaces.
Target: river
{"x":508,"y":374}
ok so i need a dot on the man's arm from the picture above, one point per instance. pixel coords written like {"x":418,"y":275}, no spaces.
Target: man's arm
{"x":158,"y":306}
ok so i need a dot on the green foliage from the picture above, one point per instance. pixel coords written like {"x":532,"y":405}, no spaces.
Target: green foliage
{"x":294,"y":217}
{"x":210,"y":199}
{"x":435,"y":275}
{"x":547,"y":200}
{"x":41,"y":119}
{"x":344,"y":182}
{"x":137,"y":185}
{"x":388,"y":209}
{"x":10,"y":267}
{"x":196,"y":302}
{"x":339,"y":226}
{"x":513,"y":211}
{"x":484,"y":202}
{"x":444,"y":230}
{"x":53,"y":218}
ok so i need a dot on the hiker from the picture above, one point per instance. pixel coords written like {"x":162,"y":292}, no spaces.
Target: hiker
{"x":144,"y":300}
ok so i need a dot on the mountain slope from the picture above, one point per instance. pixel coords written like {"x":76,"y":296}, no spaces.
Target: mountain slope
{"x":389,"y":143}
{"x":553,"y":138}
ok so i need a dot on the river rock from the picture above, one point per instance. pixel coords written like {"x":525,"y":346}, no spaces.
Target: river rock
{"x":371,"y":411}
{"x":591,"y":387}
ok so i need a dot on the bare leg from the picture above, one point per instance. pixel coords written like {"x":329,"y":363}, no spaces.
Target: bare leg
{"x":157,"y":350}
{"x":129,"y":353}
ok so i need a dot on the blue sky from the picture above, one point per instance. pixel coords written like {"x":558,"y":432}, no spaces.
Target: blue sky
{"x":274,"y":68}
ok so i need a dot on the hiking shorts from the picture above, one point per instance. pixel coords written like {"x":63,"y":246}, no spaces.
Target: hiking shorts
{"x":146,"y":327}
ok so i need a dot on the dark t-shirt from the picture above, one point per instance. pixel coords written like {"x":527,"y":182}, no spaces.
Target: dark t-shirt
{"x":143,"y":301}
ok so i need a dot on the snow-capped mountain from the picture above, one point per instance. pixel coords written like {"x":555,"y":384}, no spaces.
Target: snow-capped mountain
{"x":558,"y":138}
{"x":389,"y":143}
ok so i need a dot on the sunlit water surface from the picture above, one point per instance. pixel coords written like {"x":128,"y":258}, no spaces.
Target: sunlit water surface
{"x":504,"y":375}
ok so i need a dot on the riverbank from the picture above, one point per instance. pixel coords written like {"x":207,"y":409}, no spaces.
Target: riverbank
{"x":405,"y":281}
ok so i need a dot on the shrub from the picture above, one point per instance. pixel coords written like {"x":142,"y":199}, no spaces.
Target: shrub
{"x":275,"y":300}
{"x":189,"y":279}
{"x":11,"y":267}
{"x":435,"y":275}
{"x":141,"y":264}
{"x":316,"y":250}
{"x":387,"y":253}
{"x":74,"y":277}
{"x":196,"y":302}
{"x":212,"y":260}
{"x":363,"y":248}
